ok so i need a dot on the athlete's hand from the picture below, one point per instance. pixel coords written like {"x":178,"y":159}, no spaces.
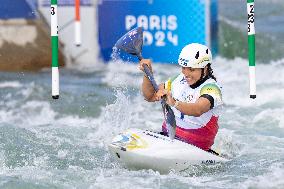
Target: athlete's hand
{"x":170,"y":100}
{"x":160,"y":94}
{"x":148,"y":62}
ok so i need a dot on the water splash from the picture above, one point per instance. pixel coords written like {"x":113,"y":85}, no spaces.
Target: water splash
{"x":115,"y":54}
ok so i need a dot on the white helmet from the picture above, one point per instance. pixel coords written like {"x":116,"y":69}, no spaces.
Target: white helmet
{"x":195,"y":56}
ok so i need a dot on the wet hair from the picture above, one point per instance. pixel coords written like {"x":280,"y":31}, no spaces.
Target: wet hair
{"x":210,"y":72}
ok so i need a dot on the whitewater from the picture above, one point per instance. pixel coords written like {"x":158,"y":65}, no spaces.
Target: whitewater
{"x":46,"y":143}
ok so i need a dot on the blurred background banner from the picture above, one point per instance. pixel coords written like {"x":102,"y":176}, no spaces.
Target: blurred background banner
{"x":168,"y":25}
{"x":18,"y":9}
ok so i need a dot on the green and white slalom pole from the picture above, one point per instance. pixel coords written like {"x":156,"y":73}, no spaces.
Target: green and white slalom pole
{"x":251,"y":47}
{"x":54,"y":49}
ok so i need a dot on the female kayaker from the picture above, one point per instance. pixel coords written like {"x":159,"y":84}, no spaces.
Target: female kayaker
{"x":194,"y":95}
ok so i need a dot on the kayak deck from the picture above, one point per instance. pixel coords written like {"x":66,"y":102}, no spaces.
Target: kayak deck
{"x":144,"y":149}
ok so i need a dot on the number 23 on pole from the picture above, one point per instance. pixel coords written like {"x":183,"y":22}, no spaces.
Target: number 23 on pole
{"x":251,"y":47}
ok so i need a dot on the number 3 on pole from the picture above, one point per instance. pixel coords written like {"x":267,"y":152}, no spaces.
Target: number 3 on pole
{"x":52,"y":10}
{"x":251,"y":47}
{"x":54,"y":49}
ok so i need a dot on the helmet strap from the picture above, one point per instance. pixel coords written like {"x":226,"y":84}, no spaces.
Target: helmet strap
{"x":202,"y":73}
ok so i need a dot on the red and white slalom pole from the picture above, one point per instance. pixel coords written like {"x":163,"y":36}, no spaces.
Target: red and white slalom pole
{"x":77,"y":23}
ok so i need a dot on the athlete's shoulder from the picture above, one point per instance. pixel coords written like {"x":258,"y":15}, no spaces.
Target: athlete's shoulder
{"x":212,"y":88}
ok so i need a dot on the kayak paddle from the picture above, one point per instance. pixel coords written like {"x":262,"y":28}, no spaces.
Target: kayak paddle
{"x":132,"y":43}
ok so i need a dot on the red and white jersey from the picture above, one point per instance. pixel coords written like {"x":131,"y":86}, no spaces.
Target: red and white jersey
{"x":201,"y":130}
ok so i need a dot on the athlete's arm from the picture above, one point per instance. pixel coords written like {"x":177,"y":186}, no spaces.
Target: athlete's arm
{"x":152,"y":96}
{"x":147,"y":88}
{"x":196,"y":109}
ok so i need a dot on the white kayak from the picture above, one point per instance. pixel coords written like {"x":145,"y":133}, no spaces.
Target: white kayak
{"x":143,"y":149}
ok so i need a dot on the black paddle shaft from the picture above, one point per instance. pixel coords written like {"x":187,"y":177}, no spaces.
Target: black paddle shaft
{"x":150,"y":77}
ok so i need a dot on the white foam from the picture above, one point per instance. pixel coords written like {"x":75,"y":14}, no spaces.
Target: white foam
{"x":122,"y":74}
{"x":272,"y":178}
{"x":269,"y":115}
{"x":35,"y":113}
{"x":2,"y":162}
{"x":120,"y":179}
{"x":227,"y":143}
{"x":86,"y":67}
{"x":10,"y":84}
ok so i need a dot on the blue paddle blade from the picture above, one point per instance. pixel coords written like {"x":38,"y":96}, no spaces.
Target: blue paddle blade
{"x":132,"y":42}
